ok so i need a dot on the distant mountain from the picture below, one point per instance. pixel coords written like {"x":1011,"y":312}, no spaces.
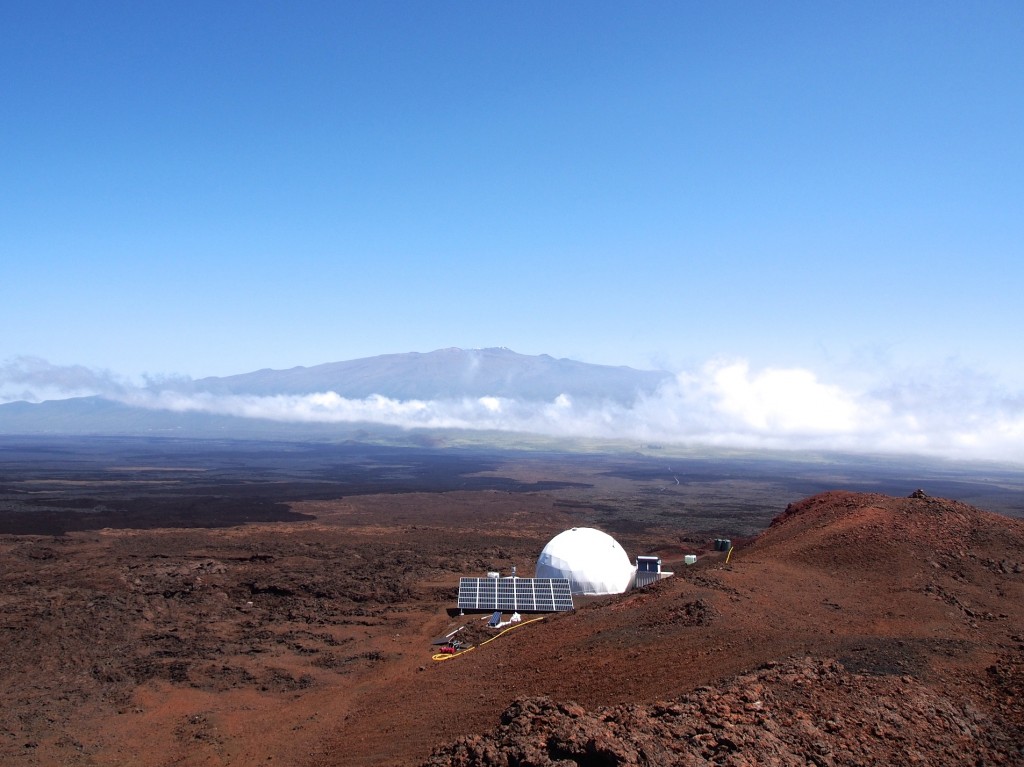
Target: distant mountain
{"x":446,"y":374}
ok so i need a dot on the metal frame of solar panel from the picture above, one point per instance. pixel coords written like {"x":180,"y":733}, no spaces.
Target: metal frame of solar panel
{"x":523,"y":595}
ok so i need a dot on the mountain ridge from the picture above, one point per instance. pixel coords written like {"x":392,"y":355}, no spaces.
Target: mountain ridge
{"x":182,"y":406}
{"x":442,"y":374}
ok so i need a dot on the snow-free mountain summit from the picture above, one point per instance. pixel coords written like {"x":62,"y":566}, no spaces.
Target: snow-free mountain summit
{"x":446,"y":374}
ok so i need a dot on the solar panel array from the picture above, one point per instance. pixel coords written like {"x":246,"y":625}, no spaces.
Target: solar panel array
{"x":523,"y":595}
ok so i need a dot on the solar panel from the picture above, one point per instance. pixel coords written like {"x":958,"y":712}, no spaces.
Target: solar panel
{"x":523,"y":595}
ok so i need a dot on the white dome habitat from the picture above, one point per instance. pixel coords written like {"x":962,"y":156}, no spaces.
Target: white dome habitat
{"x":592,"y":561}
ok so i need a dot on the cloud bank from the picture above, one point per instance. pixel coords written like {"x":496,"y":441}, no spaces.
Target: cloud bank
{"x":724,"y":403}
{"x":34,"y":379}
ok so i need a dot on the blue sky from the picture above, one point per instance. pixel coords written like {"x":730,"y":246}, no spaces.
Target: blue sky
{"x":211,"y":188}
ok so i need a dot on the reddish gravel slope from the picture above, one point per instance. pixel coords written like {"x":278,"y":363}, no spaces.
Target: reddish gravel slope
{"x":857,"y":630}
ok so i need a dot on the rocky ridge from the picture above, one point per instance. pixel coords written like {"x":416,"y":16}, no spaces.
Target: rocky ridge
{"x":914,"y":653}
{"x":800,"y":712}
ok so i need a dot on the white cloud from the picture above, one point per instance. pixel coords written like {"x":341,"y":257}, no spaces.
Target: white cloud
{"x":783,"y":401}
{"x":493,"y":404}
{"x":34,"y":379}
{"x":950,"y":412}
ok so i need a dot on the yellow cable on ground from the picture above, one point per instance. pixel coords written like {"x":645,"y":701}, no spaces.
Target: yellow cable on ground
{"x":446,"y":656}
{"x":729,"y":554}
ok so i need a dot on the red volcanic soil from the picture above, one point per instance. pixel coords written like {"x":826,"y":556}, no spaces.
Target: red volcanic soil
{"x":858,"y":629}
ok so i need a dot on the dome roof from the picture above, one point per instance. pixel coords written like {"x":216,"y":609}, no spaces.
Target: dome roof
{"x":593,"y":562}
